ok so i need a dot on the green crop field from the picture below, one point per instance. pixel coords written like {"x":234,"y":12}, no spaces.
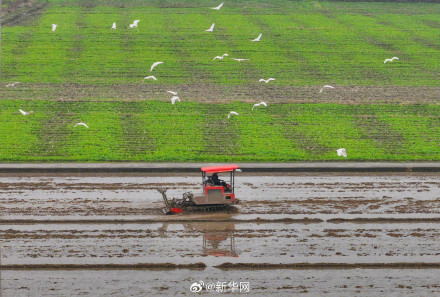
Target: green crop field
{"x":85,"y":71}
{"x":159,"y":131}
{"x":303,"y":43}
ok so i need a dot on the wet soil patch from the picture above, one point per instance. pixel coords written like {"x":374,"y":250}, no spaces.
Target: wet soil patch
{"x":23,"y":12}
{"x":262,"y":266}
{"x":162,"y":266}
{"x":218,"y":93}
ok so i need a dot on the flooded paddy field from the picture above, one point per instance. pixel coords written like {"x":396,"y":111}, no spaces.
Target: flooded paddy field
{"x":308,"y":234}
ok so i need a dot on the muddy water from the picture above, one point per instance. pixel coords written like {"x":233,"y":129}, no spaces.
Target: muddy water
{"x":353,"y":282}
{"x":288,"y":196}
{"x":117,"y":220}
{"x":214,"y":243}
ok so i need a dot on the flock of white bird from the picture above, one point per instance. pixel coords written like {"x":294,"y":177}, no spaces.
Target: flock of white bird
{"x":341,"y":152}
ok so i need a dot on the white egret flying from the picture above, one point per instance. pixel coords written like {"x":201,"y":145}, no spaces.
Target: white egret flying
{"x":12,"y":84}
{"x":390,"y":60}
{"x":81,"y":124}
{"x":25,"y":113}
{"x":232,"y":113}
{"x":342,"y":152}
{"x":154,"y":65}
{"x":218,"y":7}
{"x":239,"y":60}
{"x":211,"y":28}
{"x":150,"y":77}
{"x":258,"y":38}
{"x":266,"y":80}
{"x":220,"y":57}
{"x":259,"y":104}
{"x":135,"y":24}
{"x":326,"y":87}
{"x":174,"y":99}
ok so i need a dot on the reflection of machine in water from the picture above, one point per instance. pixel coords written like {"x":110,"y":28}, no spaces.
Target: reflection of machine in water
{"x":218,"y":237}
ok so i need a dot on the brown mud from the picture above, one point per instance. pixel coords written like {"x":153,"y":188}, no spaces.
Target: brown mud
{"x":270,"y":266}
{"x":155,"y":266}
{"x":22,"y":12}
{"x":216,"y":93}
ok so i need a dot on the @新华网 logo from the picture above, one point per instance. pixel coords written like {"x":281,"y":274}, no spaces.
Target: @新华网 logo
{"x":196,"y":287}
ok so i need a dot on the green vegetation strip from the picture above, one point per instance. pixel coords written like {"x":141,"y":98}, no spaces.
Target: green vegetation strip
{"x":188,"y":131}
{"x":303,"y":42}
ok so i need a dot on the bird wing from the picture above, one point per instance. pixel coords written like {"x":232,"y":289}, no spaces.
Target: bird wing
{"x":261,"y":79}
{"x":395,"y":58}
{"x":154,"y":65}
{"x":258,"y":104}
{"x":258,"y":38}
{"x":22,"y":112}
{"x":342,"y":152}
{"x":81,"y":124}
{"x":211,"y":28}
{"x":387,"y":60}
{"x":271,"y":79}
{"x":136,"y":22}
{"x":232,"y":112}
{"x":218,"y":57}
{"x":218,"y":7}
{"x":171,"y":92}
{"x":173,"y":100}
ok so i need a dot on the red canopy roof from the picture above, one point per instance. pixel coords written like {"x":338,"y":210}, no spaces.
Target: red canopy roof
{"x":223,"y":168}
